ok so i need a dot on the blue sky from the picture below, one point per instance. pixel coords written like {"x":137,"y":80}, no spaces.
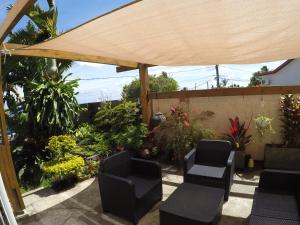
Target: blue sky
{"x":106,"y":86}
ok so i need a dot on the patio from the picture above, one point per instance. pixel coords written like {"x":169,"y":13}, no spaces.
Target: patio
{"x":82,"y":205}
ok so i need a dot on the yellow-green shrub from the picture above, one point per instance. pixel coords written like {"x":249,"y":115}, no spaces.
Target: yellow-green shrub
{"x":60,"y":170}
{"x":62,"y":145}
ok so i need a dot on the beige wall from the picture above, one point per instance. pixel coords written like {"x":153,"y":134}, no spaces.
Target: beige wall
{"x":231,"y":106}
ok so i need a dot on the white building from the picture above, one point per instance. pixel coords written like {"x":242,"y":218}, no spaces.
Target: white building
{"x":287,"y":73}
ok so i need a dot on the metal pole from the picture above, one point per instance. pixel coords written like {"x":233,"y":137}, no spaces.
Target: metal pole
{"x":6,"y":204}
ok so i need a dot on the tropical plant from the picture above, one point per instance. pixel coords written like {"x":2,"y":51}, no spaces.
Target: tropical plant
{"x":52,"y":107}
{"x":238,"y":134}
{"x":18,"y":74}
{"x":161,"y":83}
{"x":263,"y":125}
{"x":178,"y":135}
{"x":121,"y":125}
{"x":20,"y":71}
{"x":91,"y":142}
{"x":290,"y":108}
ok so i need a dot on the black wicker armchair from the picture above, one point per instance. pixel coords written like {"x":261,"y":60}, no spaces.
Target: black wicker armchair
{"x":277,"y":199}
{"x":129,"y":187}
{"x":211,"y":163}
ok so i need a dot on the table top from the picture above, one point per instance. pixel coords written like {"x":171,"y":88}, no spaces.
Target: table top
{"x":195,"y":202}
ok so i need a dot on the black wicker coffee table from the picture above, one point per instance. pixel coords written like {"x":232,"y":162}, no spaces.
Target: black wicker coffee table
{"x":192,"y":204}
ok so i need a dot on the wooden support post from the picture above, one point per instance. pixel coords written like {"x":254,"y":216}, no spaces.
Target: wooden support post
{"x":145,"y":90}
{"x":6,"y":163}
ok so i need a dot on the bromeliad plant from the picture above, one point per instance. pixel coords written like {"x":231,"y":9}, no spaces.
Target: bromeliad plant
{"x":238,"y":134}
{"x":290,"y":108}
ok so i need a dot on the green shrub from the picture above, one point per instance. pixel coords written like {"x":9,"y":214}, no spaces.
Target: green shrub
{"x":131,"y":138}
{"x":121,"y":125}
{"x":90,"y":169}
{"x":61,"y":145}
{"x":91,"y":142}
{"x":71,"y":166}
{"x":177,"y":135}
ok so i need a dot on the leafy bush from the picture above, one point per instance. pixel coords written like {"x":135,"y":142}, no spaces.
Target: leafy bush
{"x":63,"y":167}
{"x":290,"y":108}
{"x":238,"y":134}
{"x":60,"y":146}
{"x":177,"y":135}
{"x":121,"y":125}
{"x":91,"y":142}
{"x":27,"y":160}
{"x":90,"y":169}
{"x":61,"y":170}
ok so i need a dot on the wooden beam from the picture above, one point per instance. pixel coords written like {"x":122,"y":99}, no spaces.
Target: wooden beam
{"x":120,"y":69}
{"x":13,"y":17}
{"x":22,"y":50}
{"x":145,"y":90}
{"x":6,"y":163}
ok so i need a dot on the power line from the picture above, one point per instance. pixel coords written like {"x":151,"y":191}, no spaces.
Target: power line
{"x":232,"y":68}
{"x":234,"y":79}
{"x":182,"y":71}
{"x":102,"y":78}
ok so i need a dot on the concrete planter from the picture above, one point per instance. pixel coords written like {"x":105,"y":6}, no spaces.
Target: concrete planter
{"x":278,"y":157}
{"x":240,"y":158}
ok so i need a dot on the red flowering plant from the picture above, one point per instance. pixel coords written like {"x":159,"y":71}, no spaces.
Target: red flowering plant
{"x":177,"y":134}
{"x":238,"y":134}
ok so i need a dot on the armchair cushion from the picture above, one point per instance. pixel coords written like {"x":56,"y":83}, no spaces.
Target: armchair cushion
{"x":143,"y":185}
{"x":207,"y":171}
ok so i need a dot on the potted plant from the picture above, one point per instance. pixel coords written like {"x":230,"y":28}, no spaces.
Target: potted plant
{"x":287,"y":154}
{"x":263,"y":125}
{"x":239,"y":139}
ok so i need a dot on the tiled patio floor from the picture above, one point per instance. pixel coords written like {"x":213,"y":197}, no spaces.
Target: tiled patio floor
{"x":81,"y":205}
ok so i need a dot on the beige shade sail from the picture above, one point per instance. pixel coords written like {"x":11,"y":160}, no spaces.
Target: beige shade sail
{"x":190,"y":32}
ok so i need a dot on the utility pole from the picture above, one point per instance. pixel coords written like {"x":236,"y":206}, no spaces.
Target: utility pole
{"x":195,"y":86}
{"x":207,"y":87}
{"x":217,"y":76}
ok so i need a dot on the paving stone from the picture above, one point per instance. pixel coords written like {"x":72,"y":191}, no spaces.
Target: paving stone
{"x":81,"y":205}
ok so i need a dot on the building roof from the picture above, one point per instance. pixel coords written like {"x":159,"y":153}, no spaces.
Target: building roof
{"x":280,"y":67}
